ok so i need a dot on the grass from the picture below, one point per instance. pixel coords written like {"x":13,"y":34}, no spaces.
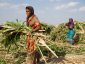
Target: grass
{"x":57,"y":35}
{"x":2,"y":61}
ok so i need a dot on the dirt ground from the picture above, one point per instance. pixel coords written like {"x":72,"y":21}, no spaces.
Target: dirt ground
{"x":69,"y":59}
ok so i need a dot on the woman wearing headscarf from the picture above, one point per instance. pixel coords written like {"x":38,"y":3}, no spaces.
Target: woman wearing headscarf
{"x":71,"y":31}
{"x":34,"y":23}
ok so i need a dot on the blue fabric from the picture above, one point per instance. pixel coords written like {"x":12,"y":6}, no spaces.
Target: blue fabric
{"x":70,"y":35}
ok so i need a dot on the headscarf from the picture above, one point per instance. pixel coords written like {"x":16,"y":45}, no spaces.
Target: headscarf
{"x":31,"y":11}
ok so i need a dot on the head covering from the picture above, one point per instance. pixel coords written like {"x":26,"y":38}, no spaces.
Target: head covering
{"x":31,"y":10}
{"x":70,"y":20}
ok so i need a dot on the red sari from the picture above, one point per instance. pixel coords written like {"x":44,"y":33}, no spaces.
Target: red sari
{"x":34,"y":23}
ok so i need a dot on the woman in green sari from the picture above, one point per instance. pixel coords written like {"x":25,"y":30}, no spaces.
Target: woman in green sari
{"x":71,"y":31}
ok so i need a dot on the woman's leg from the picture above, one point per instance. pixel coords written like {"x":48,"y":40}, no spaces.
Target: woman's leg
{"x":29,"y":59}
{"x":34,"y":60}
{"x":37,"y":57}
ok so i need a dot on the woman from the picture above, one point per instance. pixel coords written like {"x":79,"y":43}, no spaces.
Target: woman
{"x":33,"y":22}
{"x":71,"y":31}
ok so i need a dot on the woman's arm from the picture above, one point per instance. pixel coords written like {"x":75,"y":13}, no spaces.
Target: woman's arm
{"x":37,"y":24}
{"x":36,"y":27}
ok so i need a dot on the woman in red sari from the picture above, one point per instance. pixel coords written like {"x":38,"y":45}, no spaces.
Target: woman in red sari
{"x":33,"y":22}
